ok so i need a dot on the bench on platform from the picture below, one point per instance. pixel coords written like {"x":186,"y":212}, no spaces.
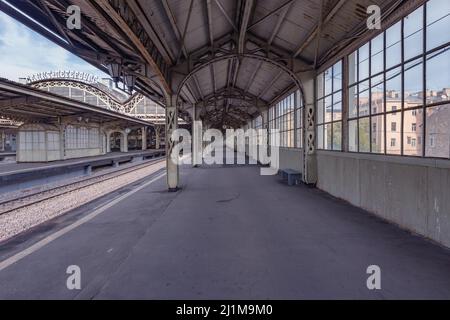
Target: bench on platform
{"x":290,"y":175}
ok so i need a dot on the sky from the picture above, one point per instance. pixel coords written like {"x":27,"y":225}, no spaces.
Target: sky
{"x":24,"y":52}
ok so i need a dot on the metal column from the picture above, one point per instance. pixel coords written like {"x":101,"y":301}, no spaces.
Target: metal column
{"x":171,"y":126}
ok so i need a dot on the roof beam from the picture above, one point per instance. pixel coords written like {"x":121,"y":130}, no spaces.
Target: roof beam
{"x":269,"y":42}
{"x":271,"y":13}
{"x":246,"y":14}
{"x":213,"y":76}
{"x":182,"y":43}
{"x":222,"y":9}
{"x":174,"y":26}
{"x":316,"y":54}
{"x":92,"y":28}
{"x":252,"y":77}
{"x":117,"y":18}
{"x":280,"y":21}
{"x":180,"y":37}
{"x":270,"y":84}
{"x":55,"y":22}
{"x":148,"y":27}
{"x":197,"y":85}
{"x":210,"y":26}
{"x":5,"y":103}
{"x":235,"y":93}
{"x":316,"y":29}
{"x":211,"y":40}
{"x":277,"y":51}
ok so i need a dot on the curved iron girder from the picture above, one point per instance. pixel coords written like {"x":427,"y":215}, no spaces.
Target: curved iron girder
{"x":214,"y":115}
{"x":230,"y":56}
{"x":120,"y":14}
{"x":234,"y":93}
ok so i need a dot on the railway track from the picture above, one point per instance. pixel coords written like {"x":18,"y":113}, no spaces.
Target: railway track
{"x":22,"y":202}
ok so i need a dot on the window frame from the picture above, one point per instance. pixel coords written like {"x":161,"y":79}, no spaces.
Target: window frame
{"x":353,"y":71}
{"x":321,"y":107}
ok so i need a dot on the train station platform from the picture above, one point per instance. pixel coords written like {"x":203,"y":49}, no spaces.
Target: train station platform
{"x":6,"y":156}
{"x":229,"y":233}
{"x":16,"y":176}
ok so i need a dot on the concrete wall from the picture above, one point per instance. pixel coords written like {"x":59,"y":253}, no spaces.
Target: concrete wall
{"x":45,"y":143}
{"x":80,"y":153}
{"x":36,"y":143}
{"x":291,"y":158}
{"x":411,"y":192}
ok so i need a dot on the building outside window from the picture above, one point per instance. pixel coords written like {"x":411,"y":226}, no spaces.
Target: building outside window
{"x":393,"y":142}
{"x":287,"y":117}
{"x":329,"y":108}
{"x":400,"y":81}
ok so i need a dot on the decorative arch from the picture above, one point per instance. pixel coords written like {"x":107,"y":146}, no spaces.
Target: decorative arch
{"x":110,"y":102}
{"x":230,"y":56}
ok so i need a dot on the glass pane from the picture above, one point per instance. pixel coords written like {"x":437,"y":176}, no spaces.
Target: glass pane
{"x":413,"y":132}
{"x":393,"y":136}
{"x":393,"y":45}
{"x":377,"y":127}
{"x":353,"y":67}
{"x":363,"y":65}
{"x":414,"y":84}
{"x":337,"y":111}
{"x":319,"y":137}
{"x":364,"y":135}
{"x":413,"y":34}
{"x":299,"y":138}
{"x":328,"y":109}
{"x":377,"y":95}
{"x":299,"y":118}
{"x":438,"y":132}
{"x":352,"y":102}
{"x":393,"y":90}
{"x":337,"y":106}
{"x":337,"y":136}
{"x":363,"y":98}
{"x":328,"y":136}
{"x":328,"y":81}
{"x":337,"y":76}
{"x":438,"y":76}
{"x":377,"y":57}
{"x":438,"y":23}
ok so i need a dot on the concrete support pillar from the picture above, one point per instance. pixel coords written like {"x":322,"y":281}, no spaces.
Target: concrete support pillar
{"x":309,"y":145}
{"x":88,"y":170}
{"x":124,"y":142}
{"x":144,"y":138}
{"x":171,"y":126}
{"x":2,"y":141}
{"x":265,"y":126}
{"x":108,"y":141}
{"x":62,"y":141}
{"x":157,"y":137}
{"x":197,"y":141}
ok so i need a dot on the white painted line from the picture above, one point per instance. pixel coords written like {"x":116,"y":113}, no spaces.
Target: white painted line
{"x":39,"y":245}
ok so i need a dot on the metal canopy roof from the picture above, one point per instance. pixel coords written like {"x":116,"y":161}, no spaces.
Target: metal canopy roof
{"x":231,"y":49}
{"x":26,"y":104}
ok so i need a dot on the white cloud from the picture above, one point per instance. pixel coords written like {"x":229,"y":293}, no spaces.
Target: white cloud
{"x":24,"y":52}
